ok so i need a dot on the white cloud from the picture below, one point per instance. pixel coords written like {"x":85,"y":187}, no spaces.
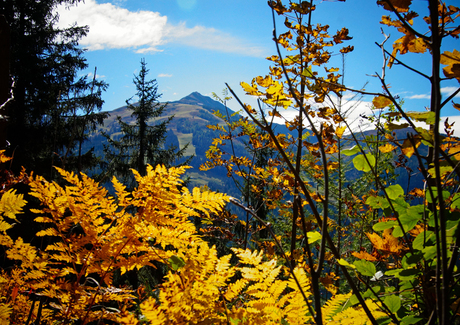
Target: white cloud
{"x":449,"y":90}
{"x":352,"y":107}
{"x":420,"y":96}
{"x":211,"y":39}
{"x":444,"y":90}
{"x":113,"y":27}
{"x":164,"y":75}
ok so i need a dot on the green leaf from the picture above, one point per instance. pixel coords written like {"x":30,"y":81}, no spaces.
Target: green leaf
{"x":426,"y":135}
{"x":394,"y":272}
{"x":380,"y":226}
{"x":370,"y":293}
{"x":411,"y":260}
{"x":393,"y":303}
{"x":307,"y":73}
{"x":394,"y":191}
{"x":397,"y":232}
{"x":400,"y":205}
{"x":365,"y":267}
{"x":351,"y":302}
{"x":429,"y":253}
{"x":427,"y":117}
{"x":411,"y":216}
{"x":452,"y":222}
{"x":342,"y":262}
{"x":383,"y":320}
{"x":350,"y":152}
{"x":443,"y":170}
{"x":176,"y":262}
{"x":409,"y":274}
{"x":410,"y":319}
{"x":423,"y":239}
{"x":377,"y":202}
{"x":391,"y":126}
{"x":456,"y":201}
{"x":361,"y":164}
{"x":431,"y":199}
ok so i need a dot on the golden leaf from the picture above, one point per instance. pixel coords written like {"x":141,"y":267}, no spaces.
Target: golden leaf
{"x":328,"y":282}
{"x":407,"y":147}
{"x":455,"y":151}
{"x":418,"y":46}
{"x":387,"y":244}
{"x":452,"y":60}
{"x":3,"y":158}
{"x":388,"y":147}
{"x":339,"y":131}
{"x":341,"y":35}
{"x":399,"y":5}
{"x":11,"y":204}
{"x":363,"y":255}
{"x":264,"y":82}
{"x":456,"y":106}
{"x":381,"y":102}
{"x":347,"y":49}
{"x":250,"y":90}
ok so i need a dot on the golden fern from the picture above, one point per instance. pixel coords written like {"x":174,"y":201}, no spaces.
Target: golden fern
{"x":334,"y":306}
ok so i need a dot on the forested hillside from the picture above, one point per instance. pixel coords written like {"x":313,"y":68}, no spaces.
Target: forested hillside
{"x":193,"y":116}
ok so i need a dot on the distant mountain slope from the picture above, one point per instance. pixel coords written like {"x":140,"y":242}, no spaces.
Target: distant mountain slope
{"x":192,"y":114}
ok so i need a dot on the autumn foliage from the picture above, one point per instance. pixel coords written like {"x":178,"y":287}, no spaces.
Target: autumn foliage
{"x":324,"y":253}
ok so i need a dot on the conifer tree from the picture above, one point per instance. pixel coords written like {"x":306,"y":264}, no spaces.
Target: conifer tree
{"x":140,"y":143}
{"x":44,"y":64}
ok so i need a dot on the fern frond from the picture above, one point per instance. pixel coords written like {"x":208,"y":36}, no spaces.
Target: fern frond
{"x":334,"y":305}
{"x":357,"y":315}
{"x":11,"y":204}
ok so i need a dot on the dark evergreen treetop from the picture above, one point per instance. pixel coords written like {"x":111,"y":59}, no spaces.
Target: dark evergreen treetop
{"x":44,"y":64}
{"x":143,"y":142}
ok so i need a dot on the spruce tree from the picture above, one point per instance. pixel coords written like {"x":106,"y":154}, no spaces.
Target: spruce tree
{"x":44,"y":64}
{"x":143,"y":141}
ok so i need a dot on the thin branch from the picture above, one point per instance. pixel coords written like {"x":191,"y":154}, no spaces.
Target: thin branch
{"x":450,"y":97}
{"x":405,"y":65}
{"x":406,"y":25}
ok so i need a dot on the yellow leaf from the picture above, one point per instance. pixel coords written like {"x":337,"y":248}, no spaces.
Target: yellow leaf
{"x":3,"y":158}
{"x":339,"y":131}
{"x":407,"y":147}
{"x":455,"y":151}
{"x":399,"y":5}
{"x":363,"y":255}
{"x":387,"y":244}
{"x":250,"y":90}
{"x":456,"y":106}
{"x":387,"y":148}
{"x":11,"y":204}
{"x":264,"y":82}
{"x":452,"y":60}
{"x":417,"y":45}
{"x":381,"y":102}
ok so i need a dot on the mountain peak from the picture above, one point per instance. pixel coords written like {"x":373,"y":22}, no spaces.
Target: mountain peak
{"x":206,"y":102}
{"x":196,"y":98}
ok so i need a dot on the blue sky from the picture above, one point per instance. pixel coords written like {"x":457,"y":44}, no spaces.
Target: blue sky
{"x":198,"y":45}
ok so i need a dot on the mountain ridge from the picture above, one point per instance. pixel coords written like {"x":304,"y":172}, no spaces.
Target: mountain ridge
{"x":192,"y":114}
